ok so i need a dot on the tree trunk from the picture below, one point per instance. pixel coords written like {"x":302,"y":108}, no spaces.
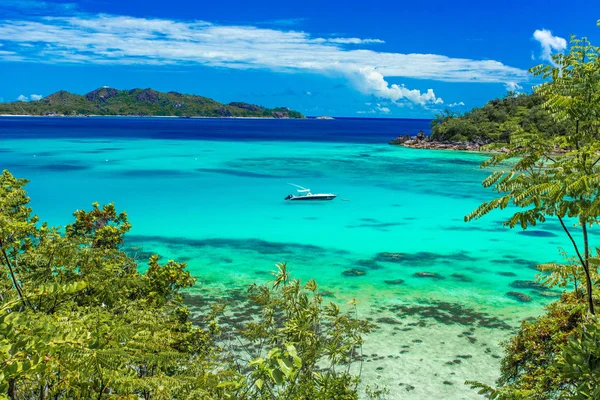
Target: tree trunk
{"x":586,"y":267}
{"x":12,"y":389}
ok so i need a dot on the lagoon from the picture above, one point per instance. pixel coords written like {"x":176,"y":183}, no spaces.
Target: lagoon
{"x":210,"y":192}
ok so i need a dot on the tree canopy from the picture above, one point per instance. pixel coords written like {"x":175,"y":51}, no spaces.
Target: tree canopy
{"x":79,"y":320}
{"x":547,"y":174}
{"x":495,"y":121}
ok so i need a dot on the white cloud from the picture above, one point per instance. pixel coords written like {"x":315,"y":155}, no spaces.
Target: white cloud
{"x":459,"y":104}
{"x":369,"y":81}
{"x":549,"y":43}
{"x":354,"y":41}
{"x":512,"y":86}
{"x":110,"y":39}
{"x":36,"y":97}
{"x":22,"y":98}
{"x":384,"y":110}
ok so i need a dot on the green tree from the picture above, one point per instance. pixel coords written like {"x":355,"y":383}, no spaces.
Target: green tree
{"x":557,"y":175}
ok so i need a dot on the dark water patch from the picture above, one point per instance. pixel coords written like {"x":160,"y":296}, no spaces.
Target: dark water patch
{"x":506,"y":273}
{"x":388,"y":321}
{"x":462,"y":278}
{"x":237,"y":172}
{"x":394,"y":282}
{"x":151,"y":173}
{"x":537,"y":233}
{"x":101,"y":150}
{"x":62,"y":167}
{"x":450,"y":314}
{"x":354,"y":272}
{"x":523,"y":298}
{"x":378,"y":226}
{"x":463,"y":228}
{"x":47,"y":154}
{"x":519,"y":284}
{"x":3,"y":150}
{"x":257,"y":245}
{"x":370,"y":264}
{"x":431,"y":275}
{"x":311,"y":218}
{"x":422,"y":258}
{"x":514,"y":260}
{"x":13,"y":166}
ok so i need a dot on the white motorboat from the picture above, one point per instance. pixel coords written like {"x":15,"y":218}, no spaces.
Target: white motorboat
{"x":305,"y":194}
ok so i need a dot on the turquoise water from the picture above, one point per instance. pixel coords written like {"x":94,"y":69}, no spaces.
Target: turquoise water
{"x":218,"y":204}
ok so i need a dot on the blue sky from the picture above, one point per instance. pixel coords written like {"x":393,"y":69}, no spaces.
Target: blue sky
{"x":340,"y":58}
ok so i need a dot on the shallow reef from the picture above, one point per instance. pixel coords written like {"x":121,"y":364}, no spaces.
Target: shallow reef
{"x":354,"y":272}
{"x":432,"y":275}
{"x":523,"y":298}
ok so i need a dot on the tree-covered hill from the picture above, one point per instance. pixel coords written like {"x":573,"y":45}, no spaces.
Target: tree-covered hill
{"x":140,"y":102}
{"x":496,"y":120}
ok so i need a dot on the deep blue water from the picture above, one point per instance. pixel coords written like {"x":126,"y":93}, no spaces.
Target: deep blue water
{"x":346,"y":130}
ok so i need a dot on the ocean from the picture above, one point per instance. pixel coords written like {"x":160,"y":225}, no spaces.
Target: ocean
{"x":211,"y":192}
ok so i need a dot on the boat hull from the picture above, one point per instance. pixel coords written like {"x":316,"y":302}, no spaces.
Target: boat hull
{"x":314,"y":197}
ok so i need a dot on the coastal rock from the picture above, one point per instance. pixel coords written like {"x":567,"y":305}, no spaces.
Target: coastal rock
{"x":394,"y":282}
{"x":425,"y":142}
{"x":400,"y":139}
{"x":523,"y":298}
{"x":431,"y":275}
{"x":354,"y":272}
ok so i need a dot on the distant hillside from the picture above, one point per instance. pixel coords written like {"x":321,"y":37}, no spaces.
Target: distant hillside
{"x":494,"y":121}
{"x":140,"y":102}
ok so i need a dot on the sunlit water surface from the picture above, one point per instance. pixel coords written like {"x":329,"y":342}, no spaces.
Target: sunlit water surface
{"x":210,"y":192}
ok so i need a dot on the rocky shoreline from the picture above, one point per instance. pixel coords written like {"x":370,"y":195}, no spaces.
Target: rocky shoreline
{"x":422,"y":141}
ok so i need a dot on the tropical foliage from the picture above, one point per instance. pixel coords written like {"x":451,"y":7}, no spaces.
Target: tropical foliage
{"x":554,"y":174}
{"x":79,"y":320}
{"x":141,"y":102}
{"x":495,"y":121}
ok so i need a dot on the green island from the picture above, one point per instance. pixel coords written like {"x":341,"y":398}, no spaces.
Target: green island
{"x":80,"y":318}
{"x":492,"y":123}
{"x":140,"y":102}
